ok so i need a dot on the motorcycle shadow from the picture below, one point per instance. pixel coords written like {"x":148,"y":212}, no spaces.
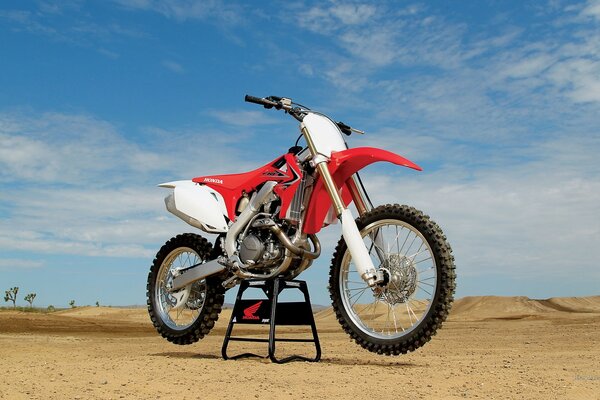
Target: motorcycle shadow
{"x":324,"y":360}
{"x":186,"y":355}
{"x":370,"y":363}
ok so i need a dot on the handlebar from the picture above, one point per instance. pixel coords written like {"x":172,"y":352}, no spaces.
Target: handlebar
{"x":282,"y":103}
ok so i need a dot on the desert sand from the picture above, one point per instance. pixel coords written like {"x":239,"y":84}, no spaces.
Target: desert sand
{"x":490,"y":348}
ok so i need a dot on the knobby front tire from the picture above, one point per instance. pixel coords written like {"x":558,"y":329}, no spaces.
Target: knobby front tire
{"x":404,"y":312}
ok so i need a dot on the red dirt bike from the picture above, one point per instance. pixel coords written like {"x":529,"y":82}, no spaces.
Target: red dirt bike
{"x":392,"y":276}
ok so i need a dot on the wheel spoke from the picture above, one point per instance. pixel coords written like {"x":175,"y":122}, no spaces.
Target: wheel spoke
{"x":411,"y":312}
{"x":413,"y":257}
{"x":397,"y":241}
{"x":424,"y":290}
{"x":423,"y":260}
{"x":380,"y":249}
{"x":395,"y":321}
{"x":359,"y":294}
{"x":358,"y":283}
{"x":387,"y":318}
{"x":403,"y":243}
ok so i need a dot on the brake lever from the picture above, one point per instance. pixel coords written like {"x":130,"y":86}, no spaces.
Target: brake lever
{"x":281,"y":102}
{"x":347,"y":130}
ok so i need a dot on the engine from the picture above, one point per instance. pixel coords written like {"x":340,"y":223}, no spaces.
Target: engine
{"x":260,"y":249}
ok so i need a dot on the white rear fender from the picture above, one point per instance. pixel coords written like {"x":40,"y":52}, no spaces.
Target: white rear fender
{"x":198,"y":205}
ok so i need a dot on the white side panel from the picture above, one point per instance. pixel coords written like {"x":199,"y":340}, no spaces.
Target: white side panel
{"x":198,"y":205}
{"x":325,"y":134}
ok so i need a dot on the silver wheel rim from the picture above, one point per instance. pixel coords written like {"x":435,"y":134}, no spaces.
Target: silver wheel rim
{"x":185,"y":316}
{"x":396,"y":309}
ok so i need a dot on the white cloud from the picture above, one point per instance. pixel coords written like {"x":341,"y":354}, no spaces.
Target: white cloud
{"x":530,"y":65}
{"x":83,"y":221}
{"x":489,"y":85}
{"x":306,"y":69}
{"x":329,"y":18}
{"x":343,"y":75}
{"x":50,"y":20}
{"x":384,"y":36}
{"x":173,"y":66}
{"x":353,"y":14}
{"x":25,"y":20}
{"x":592,"y":9}
{"x":376,"y":47}
{"x":110,"y":54}
{"x":316,"y":19}
{"x":70,"y":247}
{"x":243,"y":118}
{"x":580,"y":78}
{"x":9,"y":264}
{"x":74,"y":184}
{"x":182,"y":10}
{"x":64,"y":148}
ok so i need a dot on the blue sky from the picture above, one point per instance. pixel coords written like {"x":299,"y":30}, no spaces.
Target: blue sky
{"x":101,"y":101}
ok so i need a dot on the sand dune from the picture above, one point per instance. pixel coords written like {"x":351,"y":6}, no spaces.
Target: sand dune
{"x":490,"y":307}
{"x":105,"y":312}
{"x":466,"y":308}
{"x":574,"y":304}
{"x":485,"y":307}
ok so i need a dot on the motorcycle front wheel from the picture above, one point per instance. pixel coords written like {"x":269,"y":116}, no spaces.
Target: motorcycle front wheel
{"x":403,"y":312}
{"x":187,"y":315}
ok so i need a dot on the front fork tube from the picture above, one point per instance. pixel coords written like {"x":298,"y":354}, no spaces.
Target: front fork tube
{"x":363,"y":205}
{"x":350,"y":232}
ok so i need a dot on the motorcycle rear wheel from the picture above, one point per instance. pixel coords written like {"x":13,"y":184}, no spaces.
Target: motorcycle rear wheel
{"x":192,"y":320}
{"x":404,"y":312}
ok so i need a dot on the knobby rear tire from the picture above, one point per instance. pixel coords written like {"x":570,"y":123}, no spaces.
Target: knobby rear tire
{"x":214,"y":293}
{"x":441,"y":301}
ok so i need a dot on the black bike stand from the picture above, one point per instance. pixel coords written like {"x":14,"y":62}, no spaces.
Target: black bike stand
{"x":271,"y":311}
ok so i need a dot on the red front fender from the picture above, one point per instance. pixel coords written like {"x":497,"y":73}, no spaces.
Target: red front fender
{"x":343,"y":165}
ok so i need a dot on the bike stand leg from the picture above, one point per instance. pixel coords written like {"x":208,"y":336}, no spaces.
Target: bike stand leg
{"x":232,"y":321}
{"x":305,"y":317}
{"x":271,"y":311}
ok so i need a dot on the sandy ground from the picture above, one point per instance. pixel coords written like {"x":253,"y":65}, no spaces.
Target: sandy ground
{"x":490,"y":348}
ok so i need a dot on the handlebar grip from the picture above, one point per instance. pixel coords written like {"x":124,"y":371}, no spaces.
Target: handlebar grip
{"x":266,"y":103}
{"x":256,"y":100}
